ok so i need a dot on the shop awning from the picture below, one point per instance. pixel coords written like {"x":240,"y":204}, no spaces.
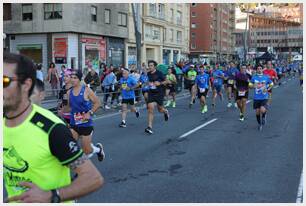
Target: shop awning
{"x":29,"y":46}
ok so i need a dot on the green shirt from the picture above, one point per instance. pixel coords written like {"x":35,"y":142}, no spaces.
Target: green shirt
{"x":191,"y":74}
{"x":38,"y":151}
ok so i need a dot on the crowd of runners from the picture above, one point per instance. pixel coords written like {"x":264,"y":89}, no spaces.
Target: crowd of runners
{"x":79,"y":103}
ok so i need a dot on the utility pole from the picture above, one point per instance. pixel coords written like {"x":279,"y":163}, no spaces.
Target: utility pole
{"x":137,"y":26}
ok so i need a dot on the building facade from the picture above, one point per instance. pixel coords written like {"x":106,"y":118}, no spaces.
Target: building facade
{"x":165,"y":33}
{"x":211,"y":32}
{"x":274,"y":35}
{"x":74,"y":35}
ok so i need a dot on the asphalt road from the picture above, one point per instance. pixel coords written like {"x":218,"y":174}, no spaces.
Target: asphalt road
{"x":224,"y":161}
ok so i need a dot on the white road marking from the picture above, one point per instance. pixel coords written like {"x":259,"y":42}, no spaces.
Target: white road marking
{"x":299,"y":198}
{"x":248,"y":101}
{"x":197,"y":128}
{"x":275,"y":87}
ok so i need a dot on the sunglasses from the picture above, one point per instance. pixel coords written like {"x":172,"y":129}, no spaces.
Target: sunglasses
{"x":7,"y":80}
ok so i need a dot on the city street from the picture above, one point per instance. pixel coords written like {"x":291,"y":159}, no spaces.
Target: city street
{"x":225,"y":160}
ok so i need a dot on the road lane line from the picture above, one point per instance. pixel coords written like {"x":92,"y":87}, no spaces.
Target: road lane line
{"x":197,"y":128}
{"x":299,"y":198}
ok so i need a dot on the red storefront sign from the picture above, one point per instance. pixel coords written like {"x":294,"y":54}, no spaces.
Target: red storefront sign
{"x":60,"y":47}
{"x":99,"y":43}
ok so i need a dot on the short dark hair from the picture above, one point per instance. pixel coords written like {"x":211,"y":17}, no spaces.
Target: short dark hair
{"x":152,"y":61}
{"x":25,"y":68}
{"x":39,"y":85}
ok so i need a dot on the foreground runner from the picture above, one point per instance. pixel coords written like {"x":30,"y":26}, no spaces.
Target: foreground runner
{"x":242,"y":90}
{"x":156,"y":94}
{"x":80,"y":101}
{"x":128,"y":85}
{"x":261,"y":84}
{"x":202,"y":83}
{"x":39,"y":151}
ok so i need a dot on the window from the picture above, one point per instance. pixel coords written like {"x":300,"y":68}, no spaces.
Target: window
{"x":193,"y":46}
{"x":27,"y":10}
{"x":193,"y":14}
{"x":171,"y":15}
{"x":193,"y":35}
{"x":93,"y":13}
{"x":122,"y":19}
{"x":161,"y":11}
{"x":179,"y":17}
{"x":53,"y":11}
{"x":171,"y":35}
{"x":193,"y":25}
{"x":179,"y":36}
{"x":152,"y":9}
{"x":107,"y":16}
{"x":7,"y":12}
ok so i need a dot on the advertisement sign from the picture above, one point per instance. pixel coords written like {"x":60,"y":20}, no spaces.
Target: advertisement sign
{"x":60,"y":47}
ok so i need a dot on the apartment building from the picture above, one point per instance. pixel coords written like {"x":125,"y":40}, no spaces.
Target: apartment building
{"x":75,"y":35}
{"x":165,"y":33}
{"x":211,"y":32}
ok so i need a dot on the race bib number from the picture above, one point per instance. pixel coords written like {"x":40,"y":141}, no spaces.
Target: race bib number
{"x":216,"y":81}
{"x":152,"y":86}
{"x":124,"y":85}
{"x":230,"y":81}
{"x":79,"y":118}
{"x":241,"y":93}
{"x":202,"y":90}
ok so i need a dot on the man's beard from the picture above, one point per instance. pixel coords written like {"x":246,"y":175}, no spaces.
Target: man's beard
{"x":14,"y":104}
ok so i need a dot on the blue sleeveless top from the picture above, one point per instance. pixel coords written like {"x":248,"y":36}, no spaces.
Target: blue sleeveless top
{"x":79,"y":105}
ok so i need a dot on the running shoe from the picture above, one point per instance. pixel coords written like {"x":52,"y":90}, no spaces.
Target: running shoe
{"x":229,"y":105}
{"x":149,"y":130}
{"x":205,"y":109}
{"x":107,"y":107}
{"x":122,"y":124}
{"x":137,"y":113}
{"x":236,"y":106}
{"x":101,"y":154}
{"x":202,"y":110}
{"x":173,"y":104}
{"x":168,"y":103}
{"x":193,"y":101}
{"x":260,"y":127}
{"x":166,"y":115}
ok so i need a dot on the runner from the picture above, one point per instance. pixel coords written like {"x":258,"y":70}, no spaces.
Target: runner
{"x":155,"y":95}
{"x":64,"y":109}
{"x":170,"y":87}
{"x":80,"y":101}
{"x":242,"y":90}
{"x":203,"y":84}
{"x":128,"y":85}
{"x":39,"y":151}
{"x":190,"y":75}
{"x":218,"y":77}
{"x":279,"y":71}
{"x":231,"y":72}
{"x":271,"y":73}
{"x":261,"y":84}
{"x":144,"y":82}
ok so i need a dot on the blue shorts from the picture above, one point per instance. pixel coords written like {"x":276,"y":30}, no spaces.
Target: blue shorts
{"x":218,"y":87}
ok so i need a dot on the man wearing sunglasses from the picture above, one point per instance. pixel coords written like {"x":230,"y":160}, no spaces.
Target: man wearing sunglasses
{"x":38,"y":149}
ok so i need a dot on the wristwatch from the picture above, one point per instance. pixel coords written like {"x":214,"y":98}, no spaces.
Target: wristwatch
{"x":91,"y":112}
{"x":55,"y":198}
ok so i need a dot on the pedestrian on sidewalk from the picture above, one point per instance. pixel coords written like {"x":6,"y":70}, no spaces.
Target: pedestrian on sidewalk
{"x":53,"y":79}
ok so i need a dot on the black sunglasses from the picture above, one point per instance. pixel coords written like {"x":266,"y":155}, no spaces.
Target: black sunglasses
{"x":7,"y":80}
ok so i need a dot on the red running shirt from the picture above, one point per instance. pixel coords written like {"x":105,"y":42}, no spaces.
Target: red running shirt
{"x":271,"y":73}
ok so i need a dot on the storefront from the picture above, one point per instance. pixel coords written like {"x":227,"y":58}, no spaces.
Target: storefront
{"x":32,"y":46}
{"x":166,"y":56}
{"x":115,"y":51}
